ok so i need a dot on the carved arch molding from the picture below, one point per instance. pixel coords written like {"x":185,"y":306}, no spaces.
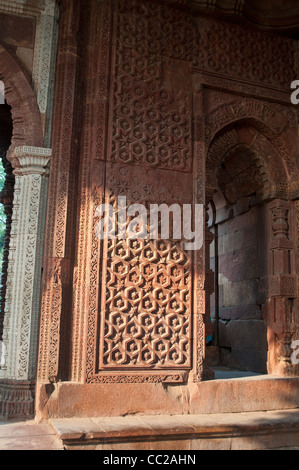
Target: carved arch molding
{"x":265,"y":128}
{"x":27,"y":125}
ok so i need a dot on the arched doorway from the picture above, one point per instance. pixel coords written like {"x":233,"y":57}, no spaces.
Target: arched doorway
{"x":239,"y":260}
{"x":246,"y":179}
{"x":20,"y":125}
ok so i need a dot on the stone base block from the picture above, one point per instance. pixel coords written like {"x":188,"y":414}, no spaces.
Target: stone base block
{"x":250,"y":394}
{"x":16,"y":399}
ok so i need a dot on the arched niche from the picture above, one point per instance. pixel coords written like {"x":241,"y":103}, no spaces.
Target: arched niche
{"x":250,"y":173}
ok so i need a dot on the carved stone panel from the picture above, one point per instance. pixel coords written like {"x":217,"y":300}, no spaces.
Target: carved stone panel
{"x":243,"y":53}
{"x":151,"y":124}
{"x":141,"y":302}
{"x":145,"y":316}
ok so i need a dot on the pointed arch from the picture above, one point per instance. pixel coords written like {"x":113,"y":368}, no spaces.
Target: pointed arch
{"x":19,"y":95}
{"x":261,"y":127}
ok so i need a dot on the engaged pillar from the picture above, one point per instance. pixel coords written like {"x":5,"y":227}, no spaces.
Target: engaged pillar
{"x":21,"y":315}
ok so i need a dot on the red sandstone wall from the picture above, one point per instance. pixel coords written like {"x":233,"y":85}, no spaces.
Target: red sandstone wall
{"x":146,"y":99}
{"x":19,"y":34}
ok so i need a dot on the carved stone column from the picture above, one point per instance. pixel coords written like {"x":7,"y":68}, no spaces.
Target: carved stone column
{"x":6,"y":198}
{"x":281,"y":325}
{"x":20,"y":335}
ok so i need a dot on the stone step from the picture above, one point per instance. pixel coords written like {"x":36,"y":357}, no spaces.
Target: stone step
{"x":229,"y":431}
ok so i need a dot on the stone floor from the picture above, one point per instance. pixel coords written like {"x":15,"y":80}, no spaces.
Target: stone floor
{"x":28,"y":435}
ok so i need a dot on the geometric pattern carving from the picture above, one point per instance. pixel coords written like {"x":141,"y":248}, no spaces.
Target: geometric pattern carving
{"x":147,"y":306}
{"x":248,"y":55}
{"x":151,"y":124}
{"x":282,"y":286}
{"x":144,"y":322}
{"x":146,"y":284}
{"x":159,"y":134}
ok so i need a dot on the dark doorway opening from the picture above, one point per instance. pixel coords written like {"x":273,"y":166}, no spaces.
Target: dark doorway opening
{"x":238,"y":257}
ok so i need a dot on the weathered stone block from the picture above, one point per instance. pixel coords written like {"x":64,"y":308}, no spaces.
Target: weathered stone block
{"x":240,"y":293}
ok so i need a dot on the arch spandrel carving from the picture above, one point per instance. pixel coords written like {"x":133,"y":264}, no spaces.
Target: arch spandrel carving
{"x":258,"y":125}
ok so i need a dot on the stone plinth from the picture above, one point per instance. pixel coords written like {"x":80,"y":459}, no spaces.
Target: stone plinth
{"x":241,"y":431}
{"x":16,"y":399}
{"x":66,"y":400}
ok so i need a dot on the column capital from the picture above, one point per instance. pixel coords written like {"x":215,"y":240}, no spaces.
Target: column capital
{"x":30,"y":160}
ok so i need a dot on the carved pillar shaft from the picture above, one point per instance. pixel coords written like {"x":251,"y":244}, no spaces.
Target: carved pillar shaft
{"x":282,"y":289}
{"x":202,"y":271}
{"x":56,"y":280}
{"x":20,"y":334}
